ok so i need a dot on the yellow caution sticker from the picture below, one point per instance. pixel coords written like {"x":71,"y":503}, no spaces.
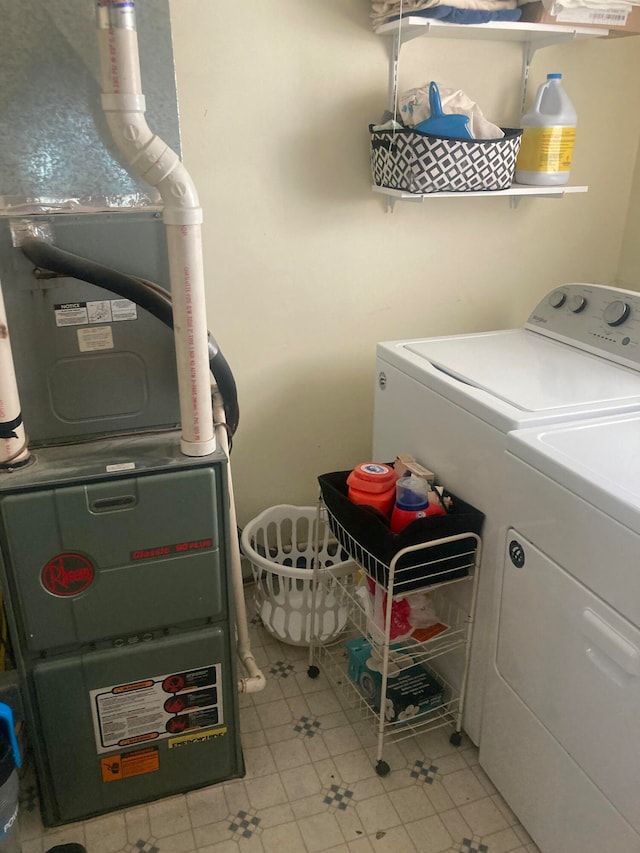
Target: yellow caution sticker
{"x":197,"y":737}
{"x":546,"y":149}
{"x":115,"y":767}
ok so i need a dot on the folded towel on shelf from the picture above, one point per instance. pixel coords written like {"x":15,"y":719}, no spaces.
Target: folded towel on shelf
{"x":455,"y":15}
{"x":383,"y":10}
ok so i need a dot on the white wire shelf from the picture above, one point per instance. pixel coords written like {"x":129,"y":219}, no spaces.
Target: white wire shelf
{"x":333,"y":659}
{"x":407,"y":652}
{"x":416,"y":568}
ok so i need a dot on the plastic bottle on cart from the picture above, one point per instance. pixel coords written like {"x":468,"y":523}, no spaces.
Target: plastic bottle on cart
{"x":9,"y":762}
{"x":549,"y":134}
{"x":412,"y":501}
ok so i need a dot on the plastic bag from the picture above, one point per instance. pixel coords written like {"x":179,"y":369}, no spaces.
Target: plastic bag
{"x":412,"y":615}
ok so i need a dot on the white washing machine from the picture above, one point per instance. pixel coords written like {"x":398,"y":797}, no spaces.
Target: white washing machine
{"x":561,"y":724}
{"x":451,"y":401}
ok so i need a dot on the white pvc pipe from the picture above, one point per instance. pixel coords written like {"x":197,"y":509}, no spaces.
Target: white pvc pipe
{"x":153,"y":160}
{"x":255,"y":681}
{"x":13,"y":440}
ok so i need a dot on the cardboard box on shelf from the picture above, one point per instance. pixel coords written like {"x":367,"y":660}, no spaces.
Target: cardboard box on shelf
{"x":616,"y":21}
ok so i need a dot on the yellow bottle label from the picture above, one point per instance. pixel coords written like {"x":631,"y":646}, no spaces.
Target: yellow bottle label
{"x":546,"y":149}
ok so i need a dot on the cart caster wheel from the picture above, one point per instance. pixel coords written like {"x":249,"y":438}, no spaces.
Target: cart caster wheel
{"x":382,"y":768}
{"x":313,"y":672}
{"x":456,"y":738}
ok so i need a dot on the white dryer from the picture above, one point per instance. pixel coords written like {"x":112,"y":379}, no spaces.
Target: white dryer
{"x":561,"y":724}
{"x":451,"y":401}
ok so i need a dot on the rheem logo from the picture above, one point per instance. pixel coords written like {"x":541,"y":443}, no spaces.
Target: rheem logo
{"x":67,"y":574}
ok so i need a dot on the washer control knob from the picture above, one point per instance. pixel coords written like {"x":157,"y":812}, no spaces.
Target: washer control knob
{"x":576,"y":303}
{"x":616,"y":312}
{"x":557,"y":299}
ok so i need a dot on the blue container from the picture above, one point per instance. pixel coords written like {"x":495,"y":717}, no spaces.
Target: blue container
{"x":9,"y":762}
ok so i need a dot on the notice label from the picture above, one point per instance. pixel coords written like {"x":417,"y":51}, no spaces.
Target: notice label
{"x":90,"y":340}
{"x":100,"y":311}
{"x":157,"y":708}
{"x":71,"y":314}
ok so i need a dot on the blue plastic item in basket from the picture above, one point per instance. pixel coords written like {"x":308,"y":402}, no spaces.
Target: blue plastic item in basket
{"x":439,"y":124}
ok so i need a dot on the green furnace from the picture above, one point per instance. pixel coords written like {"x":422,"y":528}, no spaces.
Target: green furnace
{"x":114,"y":555}
{"x":115,"y":547}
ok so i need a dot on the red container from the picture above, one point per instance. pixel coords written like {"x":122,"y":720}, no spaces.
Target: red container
{"x":373,"y":484}
{"x":401,"y":517}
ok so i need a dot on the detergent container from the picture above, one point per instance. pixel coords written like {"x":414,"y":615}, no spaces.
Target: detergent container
{"x":373,"y":484}
{"x":549,"y":133}
{"x":412,"y":501}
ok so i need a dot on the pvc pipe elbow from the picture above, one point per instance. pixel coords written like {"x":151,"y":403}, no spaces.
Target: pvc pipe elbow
{"x":156,"y":163}
{"x":253,"y":684}
{"x":178,"y":192}
{"x":255,"y":681}
{"x":132,"y":135}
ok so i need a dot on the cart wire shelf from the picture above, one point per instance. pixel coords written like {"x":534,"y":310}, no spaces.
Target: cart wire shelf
{"x":412,"y":650}
{"x":416,"y":567}
{"x":333,"y":658}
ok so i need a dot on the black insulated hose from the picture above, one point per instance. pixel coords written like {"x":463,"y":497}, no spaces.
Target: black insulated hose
{"x":150,"y":296}
{"x":227,"y":385}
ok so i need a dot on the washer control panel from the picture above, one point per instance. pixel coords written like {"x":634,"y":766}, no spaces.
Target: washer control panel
{"x":600,"y":319}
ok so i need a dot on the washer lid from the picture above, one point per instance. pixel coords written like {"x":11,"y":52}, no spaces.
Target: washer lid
{"x":598,"y":460}
{"x":530,"y":372}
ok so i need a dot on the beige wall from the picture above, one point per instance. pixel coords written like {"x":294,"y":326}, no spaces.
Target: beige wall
{"x":307,"y":271}
{"x":629,"y":270}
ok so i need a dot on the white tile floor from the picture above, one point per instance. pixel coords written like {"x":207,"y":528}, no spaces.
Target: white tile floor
{"x":310,"y":786}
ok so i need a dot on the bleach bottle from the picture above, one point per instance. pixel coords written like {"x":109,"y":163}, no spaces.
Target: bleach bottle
{"x":549,"y":133}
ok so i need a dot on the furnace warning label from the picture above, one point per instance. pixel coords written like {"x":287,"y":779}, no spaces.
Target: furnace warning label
{"x":71,"y":314}
{"x":100,"y":337}
{"x":123,"y":309}
{"x":99,"y":311}
{"x":157,"y":708}
{"x":131,"y":764}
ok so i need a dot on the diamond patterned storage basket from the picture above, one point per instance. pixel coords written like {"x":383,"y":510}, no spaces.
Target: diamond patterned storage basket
{"x":422,"y":163}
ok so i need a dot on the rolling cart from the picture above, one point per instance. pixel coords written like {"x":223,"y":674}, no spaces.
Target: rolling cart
{"x":405,"y":683}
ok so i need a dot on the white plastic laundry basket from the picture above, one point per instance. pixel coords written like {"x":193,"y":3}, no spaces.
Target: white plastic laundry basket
{"x":280,"y":544}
